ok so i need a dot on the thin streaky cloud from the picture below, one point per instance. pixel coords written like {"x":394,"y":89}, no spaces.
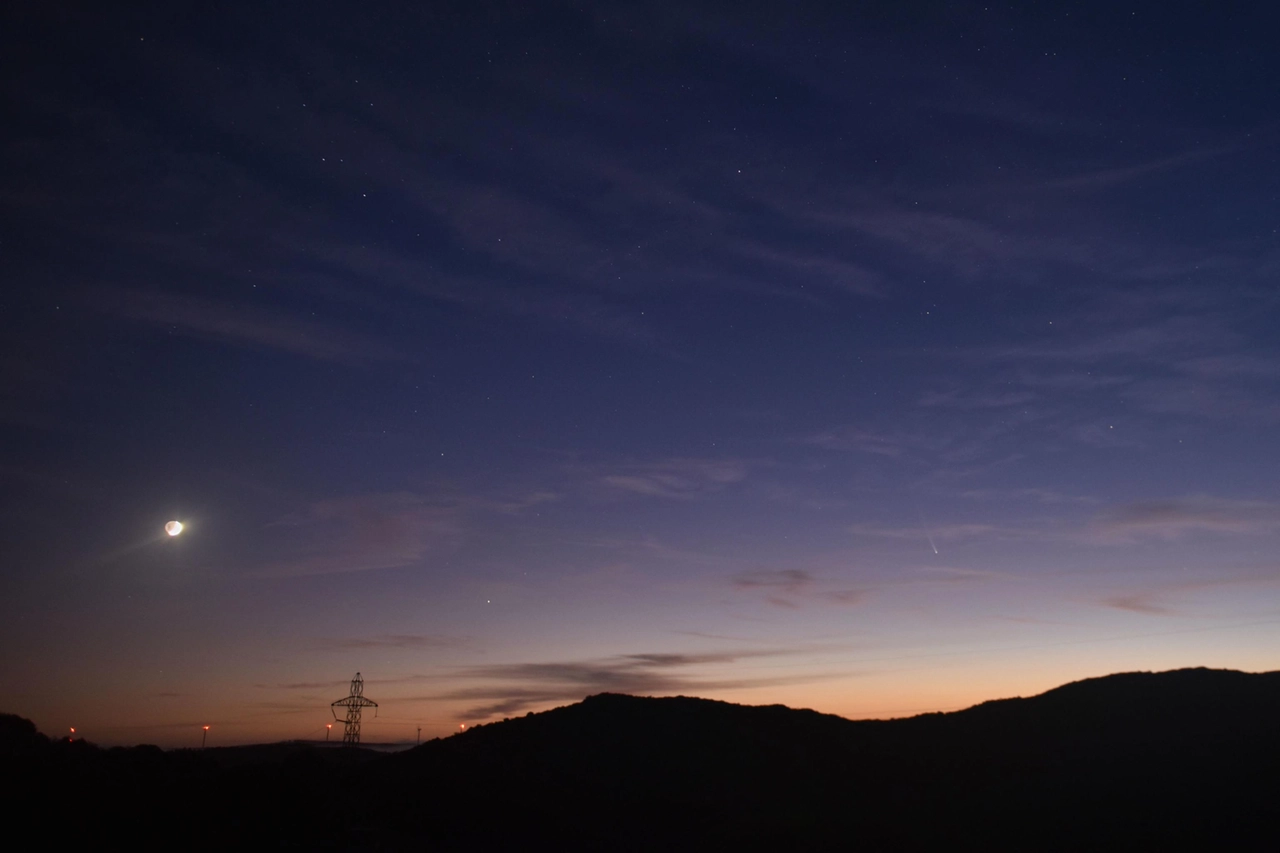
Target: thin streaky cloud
{"x":851,"y":439}
{"x":242,"y":325}
{"x":1143,"y":603}
{"x":791,"y":589}
{"x":398,"y":641}
{"x":517,"y":687}
{"x":940,"y":532}
{"x":1177,"y":518}
{"x":360,"y":533}
{"x":678,"y":479}
{"x":1107,"y":178}
{"x":786,"y":580}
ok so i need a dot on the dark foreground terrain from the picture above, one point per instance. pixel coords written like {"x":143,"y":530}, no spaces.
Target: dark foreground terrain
{"x":1186,"y":759}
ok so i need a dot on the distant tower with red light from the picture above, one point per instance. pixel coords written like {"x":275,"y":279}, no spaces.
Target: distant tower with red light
{"x":354,"y":703}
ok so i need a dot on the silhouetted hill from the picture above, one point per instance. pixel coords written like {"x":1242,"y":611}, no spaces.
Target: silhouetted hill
{"x":1136,"y":761}
{"x":1137,"y":758}
{"x":19,"y":737}
{"x":284,"y":752}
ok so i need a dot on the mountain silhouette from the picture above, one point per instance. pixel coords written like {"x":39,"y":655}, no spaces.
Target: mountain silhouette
{"x":1136,"y":758}
{"x":1180,"y":759}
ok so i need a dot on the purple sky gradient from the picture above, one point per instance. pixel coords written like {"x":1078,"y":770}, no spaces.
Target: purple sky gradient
{"x":876,"y":362}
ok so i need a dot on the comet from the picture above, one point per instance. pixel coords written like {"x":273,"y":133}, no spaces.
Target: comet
{"x":927,"y":534}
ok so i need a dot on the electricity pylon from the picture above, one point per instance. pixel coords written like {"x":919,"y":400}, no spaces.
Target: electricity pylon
{"x":353,"y":703}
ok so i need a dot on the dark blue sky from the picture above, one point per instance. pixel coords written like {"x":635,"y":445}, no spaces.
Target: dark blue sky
{"x":875,"y":361}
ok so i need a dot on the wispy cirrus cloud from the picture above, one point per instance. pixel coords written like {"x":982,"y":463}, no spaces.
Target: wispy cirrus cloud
{"x":512,"y":688}
{"x":957,"y":399}
{"x":954,"y":575}
{"x":679,"y":479}
{"x":1167,"y":338}
{"x":385,"y":530}
{"x":1154,"y":598}
{"x":941,"y":532}
{"x":921,"y":442}
{"x":243,"y":325}
{"x":785,"y":580}
{"x":361,"y":533}
{"x":847,"y":596}
{"x":789,"y":587}
{"x":302,"y":685}
{"x":1174,"y":519}
{"x":853,"y":439}
{"x":1108,"y":177}
{"x":1137,"y":602}
{"x":514,"y":504}
{"x":398,"y":641}
{"x":1039,"y":495}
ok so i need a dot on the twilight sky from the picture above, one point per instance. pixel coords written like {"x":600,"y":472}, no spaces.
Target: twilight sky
{"x":876,"y":362}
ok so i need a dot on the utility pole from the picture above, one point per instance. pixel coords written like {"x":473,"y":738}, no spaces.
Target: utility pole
{"x":327,"y":728}
{"x":419,"y":735}
{"x":204,"y":737}
{"x":354,"y":703}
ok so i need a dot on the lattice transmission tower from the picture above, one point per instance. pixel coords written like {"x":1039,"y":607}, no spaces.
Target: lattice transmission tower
{"x":354,"y":704}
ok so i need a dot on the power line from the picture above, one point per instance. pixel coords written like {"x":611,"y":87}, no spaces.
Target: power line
{"x":354,"y":703}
